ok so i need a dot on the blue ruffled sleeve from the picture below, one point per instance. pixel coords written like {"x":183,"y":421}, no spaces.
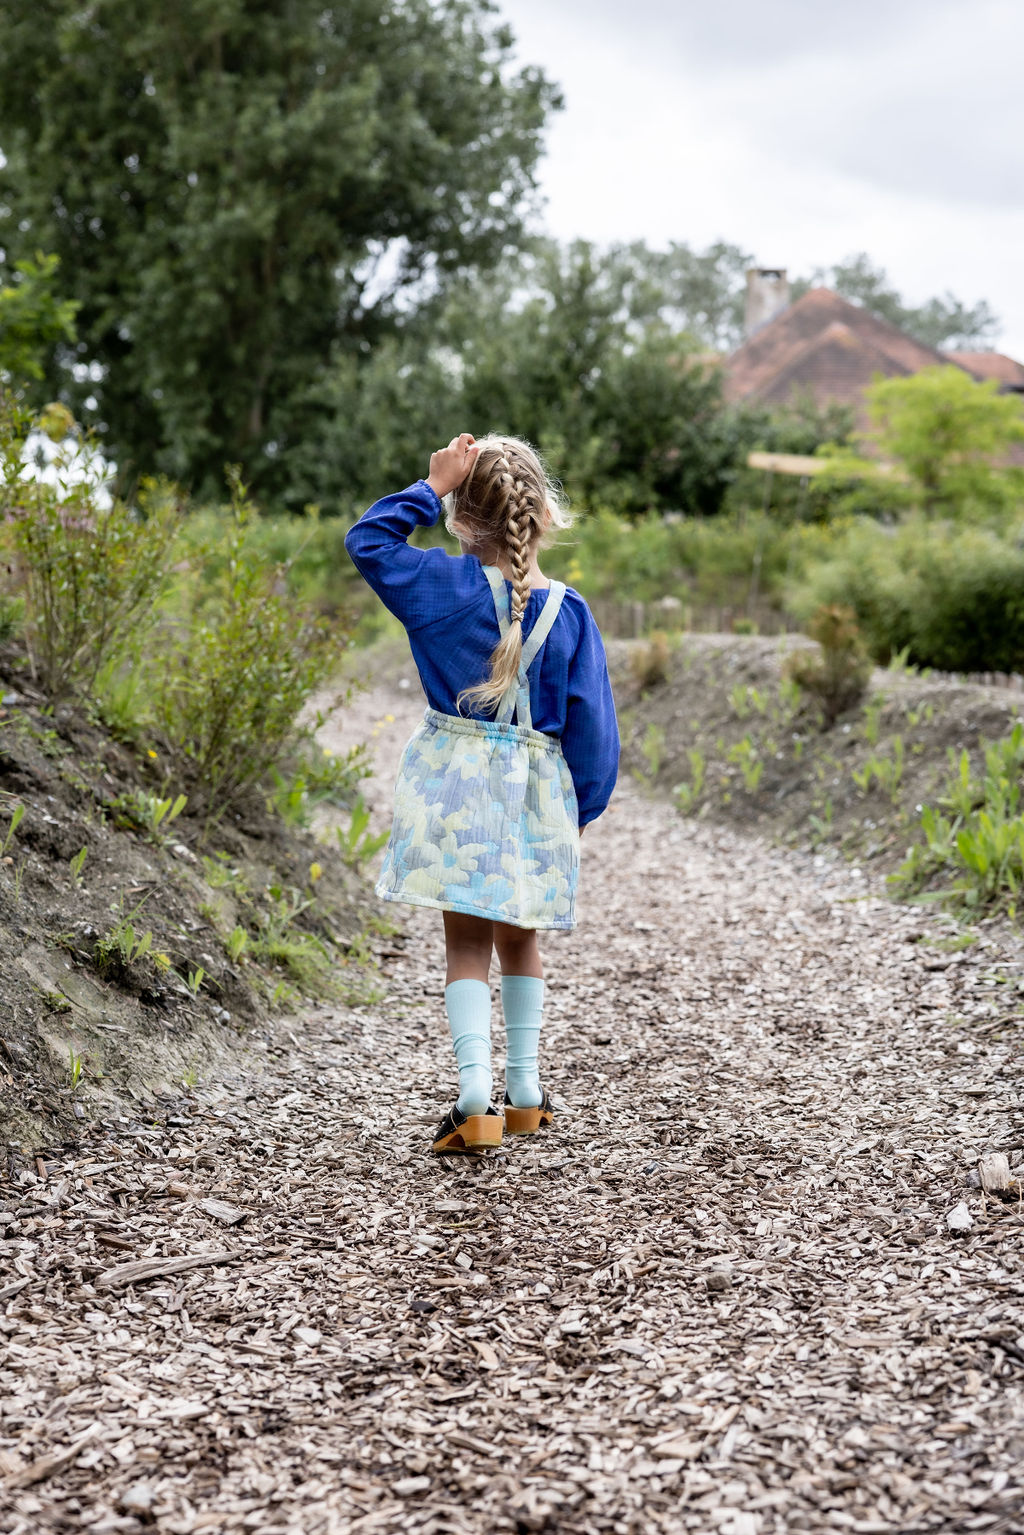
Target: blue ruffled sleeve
{"x":413,"y":584}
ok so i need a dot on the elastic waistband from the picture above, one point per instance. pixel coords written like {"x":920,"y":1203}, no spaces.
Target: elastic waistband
{"x":455,"y":724}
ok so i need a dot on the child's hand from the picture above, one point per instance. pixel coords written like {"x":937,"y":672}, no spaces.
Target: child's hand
{"x":449,"y":466}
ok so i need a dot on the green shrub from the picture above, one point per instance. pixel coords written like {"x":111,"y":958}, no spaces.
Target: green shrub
{"x":949,"y":434}
{"x":317,"y":777}
{"x":307,"y":551}
{"x":89,"y":571}
{"x":649,"y":661}
{"x":244,"y":658}
{"x":836,"y":675}
{"x":12,"y":611}
{"x":947,"y":598}
{"x":709,"y":560}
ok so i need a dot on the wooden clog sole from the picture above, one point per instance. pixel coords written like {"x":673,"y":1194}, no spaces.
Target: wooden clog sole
{"x":527,"y":1121}
{"x":480,"y":1132}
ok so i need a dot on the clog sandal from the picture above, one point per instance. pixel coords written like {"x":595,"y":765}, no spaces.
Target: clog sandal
{"x":526,"y":1121}
{"x":468,"y":1132}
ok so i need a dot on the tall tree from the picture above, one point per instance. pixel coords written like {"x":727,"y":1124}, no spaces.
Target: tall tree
{"x":237,"y":188}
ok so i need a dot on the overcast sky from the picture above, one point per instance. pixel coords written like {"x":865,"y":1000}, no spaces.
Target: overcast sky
{"x":801,"y":130}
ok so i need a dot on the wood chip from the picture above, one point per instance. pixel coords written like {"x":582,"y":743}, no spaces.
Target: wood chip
{"x":48,"y":1465}
{"x":220,"y":1210}
{"x":777,"y":1099}
{"x":994,"y":1171}
{"x":959,"y":1218}
{"x":124,"y":1274}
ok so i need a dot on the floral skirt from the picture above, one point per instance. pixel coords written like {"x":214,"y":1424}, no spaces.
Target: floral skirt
{"x":486,"y":823}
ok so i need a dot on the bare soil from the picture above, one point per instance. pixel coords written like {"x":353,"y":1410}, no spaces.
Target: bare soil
{"x":722,"y":1293}
{"x":722,"y":698}
{"x":131,"y":1032}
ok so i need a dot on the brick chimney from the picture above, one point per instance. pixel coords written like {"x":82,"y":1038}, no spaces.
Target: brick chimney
{"x":767,"y":296}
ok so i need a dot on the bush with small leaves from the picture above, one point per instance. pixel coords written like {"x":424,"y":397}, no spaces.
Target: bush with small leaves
{"x":836,"y":675}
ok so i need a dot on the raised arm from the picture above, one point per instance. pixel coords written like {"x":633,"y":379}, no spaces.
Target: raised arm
{"x":378,"y":544}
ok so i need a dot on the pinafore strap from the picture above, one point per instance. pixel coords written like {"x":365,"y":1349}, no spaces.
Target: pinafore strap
{"x":517,"y":698}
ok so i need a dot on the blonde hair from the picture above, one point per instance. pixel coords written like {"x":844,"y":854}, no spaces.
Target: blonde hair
{"x":501,"y":505}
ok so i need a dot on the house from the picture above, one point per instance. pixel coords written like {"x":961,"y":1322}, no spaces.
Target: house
{"x":828,"y":350}
{"x":1007,"y":373}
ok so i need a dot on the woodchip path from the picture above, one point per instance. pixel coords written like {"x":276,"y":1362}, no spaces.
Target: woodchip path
{"x":721,"y":1295}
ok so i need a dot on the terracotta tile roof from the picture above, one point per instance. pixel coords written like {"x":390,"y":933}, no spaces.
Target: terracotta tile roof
{"x":991,"y":365}
{"x":824,"y":346}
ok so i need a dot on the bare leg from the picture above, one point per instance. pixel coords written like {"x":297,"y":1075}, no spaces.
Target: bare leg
{"x":468,"y":942}
{"x":518,"y":950}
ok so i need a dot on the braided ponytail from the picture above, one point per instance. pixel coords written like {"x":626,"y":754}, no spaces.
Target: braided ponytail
{"x":502,"y":504}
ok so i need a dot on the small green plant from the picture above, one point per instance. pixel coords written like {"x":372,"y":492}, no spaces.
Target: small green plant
{"x":220,"y":874}
{"x":739,"y":702}
{"x":953,"y":945}
{"x":687,"y":794}
{"x":281,"y":942}
{"x":76,"y":865}
{"x":821,"y":825}
{"x":790,"y":700}
{"x":922,"y":716}
{"x":147,"y":813}
{"x":357,"y":843}
{"x":190,"y":1077}
{"x":743,"y":754}
{"x":978,"y":850}
{"x":212,"y":912}
{"x":123,"y":946}
{"x":17,"y":816}
{"x":56,"y":1002}
{"x":887,"y":771}
{"x":236,"y":943}
{"x":12,"y":613}
{"x":19,"y":878}
{"x":320,"y":777}
{"x":195,"y":980}
{"x":652,"y":749}
{"x":745,"y":700}
{"x":873,"y":718}
{"x":74,"y":1068}
{"x":835,"y":676}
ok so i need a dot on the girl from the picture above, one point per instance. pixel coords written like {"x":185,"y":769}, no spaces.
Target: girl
{"x":518,"y":751}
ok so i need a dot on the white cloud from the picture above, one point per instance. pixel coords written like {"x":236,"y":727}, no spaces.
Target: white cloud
{"x":896,"y":129}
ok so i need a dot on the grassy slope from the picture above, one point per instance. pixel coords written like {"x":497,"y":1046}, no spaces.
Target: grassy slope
{"x":136,"y":1030}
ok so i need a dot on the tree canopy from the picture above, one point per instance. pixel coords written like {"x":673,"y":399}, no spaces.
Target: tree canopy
{"x":32,"y":319}
{"x":563,"y":347}
{"x":294,"y":237}
{"x":237,"y":188}
{"x":948,"y":432}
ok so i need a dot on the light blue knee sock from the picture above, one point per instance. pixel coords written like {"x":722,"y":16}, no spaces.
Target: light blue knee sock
{"x":522,"y":1001}
{"x":469,"y":1018}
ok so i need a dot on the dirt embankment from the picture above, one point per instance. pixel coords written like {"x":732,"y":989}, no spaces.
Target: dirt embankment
{"x":724,"y":729}
{"x":135,"y":956}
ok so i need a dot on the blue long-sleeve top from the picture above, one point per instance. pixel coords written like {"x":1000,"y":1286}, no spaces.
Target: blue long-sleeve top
{"x":446,"y":605}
